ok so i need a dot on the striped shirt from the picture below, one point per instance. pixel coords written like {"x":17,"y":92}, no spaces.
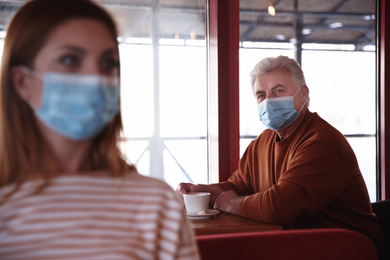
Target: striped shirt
{"x":90,"y":217}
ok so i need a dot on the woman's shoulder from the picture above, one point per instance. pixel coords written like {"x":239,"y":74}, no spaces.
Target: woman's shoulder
{"x":132,"y":186}
{"x":131,"y":183}
{"x":129,"y":179}
{"x":134,"y":177}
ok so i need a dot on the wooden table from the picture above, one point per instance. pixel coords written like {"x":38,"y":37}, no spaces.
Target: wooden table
{"x":226,"y":223}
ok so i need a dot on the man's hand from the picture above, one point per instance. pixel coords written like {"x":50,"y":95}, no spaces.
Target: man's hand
{"x":229,"y":202}
{"x":215,"y":189}
{"x":186,"y":188}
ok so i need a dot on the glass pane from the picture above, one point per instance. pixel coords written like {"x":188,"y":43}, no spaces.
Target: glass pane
{"x":180,"y":167}
{"x":345,"y":97}
{"x":164,"y":91}
{"x":183,"y":92}
{"x":137,"y":90}
{"x":365,"y":150}
{"x":334,"y":41}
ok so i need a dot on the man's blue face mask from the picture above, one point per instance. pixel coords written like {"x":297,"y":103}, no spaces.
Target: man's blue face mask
{"x":278,"y":113}
{"x":77,"y":106}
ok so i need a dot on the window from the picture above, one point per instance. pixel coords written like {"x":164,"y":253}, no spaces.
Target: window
{"x":163,"y":50}
{"x":164,"y":88}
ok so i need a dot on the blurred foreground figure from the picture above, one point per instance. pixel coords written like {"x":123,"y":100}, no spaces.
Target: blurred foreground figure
{"x":65,"y":190}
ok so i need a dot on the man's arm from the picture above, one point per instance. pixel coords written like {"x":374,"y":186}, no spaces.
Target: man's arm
{"x":229,"y":202}
{"x":215,"y":189}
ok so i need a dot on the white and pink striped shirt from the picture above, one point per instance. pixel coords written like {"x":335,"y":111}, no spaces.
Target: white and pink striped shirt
{"x":96,"y":217}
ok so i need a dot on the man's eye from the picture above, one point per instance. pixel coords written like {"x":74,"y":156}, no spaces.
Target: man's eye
{"x":70,"y":60}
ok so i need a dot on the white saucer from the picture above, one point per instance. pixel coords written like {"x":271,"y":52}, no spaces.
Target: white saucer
{"x":208,"y":213}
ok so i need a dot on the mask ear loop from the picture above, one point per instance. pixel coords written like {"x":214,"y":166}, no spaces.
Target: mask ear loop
{"x":33,"y":74}
{"x":297,"y":92}
{"x":32,"y":105}
{"x":303,"y":103}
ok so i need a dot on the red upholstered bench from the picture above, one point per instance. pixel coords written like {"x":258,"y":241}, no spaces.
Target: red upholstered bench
{"x":309,"y":244}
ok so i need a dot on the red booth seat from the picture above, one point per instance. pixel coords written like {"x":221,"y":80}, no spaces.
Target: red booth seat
{"x":309,"y":244}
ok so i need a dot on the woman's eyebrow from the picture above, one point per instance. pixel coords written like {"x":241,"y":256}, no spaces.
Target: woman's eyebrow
{"x":109,"y":52}
{"x":74,"y":48}
{"x":82,"y":51}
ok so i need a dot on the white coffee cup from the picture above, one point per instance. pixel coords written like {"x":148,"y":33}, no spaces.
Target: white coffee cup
{"x":196,"y":201}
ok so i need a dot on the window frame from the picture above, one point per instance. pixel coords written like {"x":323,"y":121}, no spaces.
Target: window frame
{"x":383,"y":69}
{"x":223,"y":96}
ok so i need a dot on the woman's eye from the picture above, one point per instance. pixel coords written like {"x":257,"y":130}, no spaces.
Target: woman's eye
{"x":70,"y":60}
{"x":110,"y":65}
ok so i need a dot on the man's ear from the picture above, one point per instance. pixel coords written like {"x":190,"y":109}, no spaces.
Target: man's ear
{"x":18,"y":79}
{"x":305,"y":91}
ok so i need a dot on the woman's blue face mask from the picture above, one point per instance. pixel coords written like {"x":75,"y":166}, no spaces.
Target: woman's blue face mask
{"x":278,"y":113}
{"x":77,"y":106}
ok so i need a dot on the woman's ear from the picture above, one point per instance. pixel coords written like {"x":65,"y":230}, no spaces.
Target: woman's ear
{"x":18,"y":79}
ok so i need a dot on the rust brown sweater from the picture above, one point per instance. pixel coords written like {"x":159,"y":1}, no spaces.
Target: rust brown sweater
{"x":309,"y":180}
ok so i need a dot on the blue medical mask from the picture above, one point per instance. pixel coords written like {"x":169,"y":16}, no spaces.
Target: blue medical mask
{"x":278,"y":113}
{"x":77,"y":106}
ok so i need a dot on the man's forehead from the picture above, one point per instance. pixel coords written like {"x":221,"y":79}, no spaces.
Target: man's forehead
{"x":274,"y":78}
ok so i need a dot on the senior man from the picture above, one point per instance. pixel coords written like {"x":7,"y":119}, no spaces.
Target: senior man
{"x":300,"y":172}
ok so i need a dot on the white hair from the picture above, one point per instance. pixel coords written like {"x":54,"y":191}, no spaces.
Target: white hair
{"x":271,"y":64}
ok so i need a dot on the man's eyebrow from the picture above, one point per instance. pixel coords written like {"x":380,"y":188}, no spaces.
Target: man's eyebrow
{"x":272,"y":89}
{"x":259,"y":92}
{"x":277,"y":86}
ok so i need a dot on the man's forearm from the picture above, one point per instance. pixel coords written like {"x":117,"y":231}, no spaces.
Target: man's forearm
{"x":215,"y":190}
